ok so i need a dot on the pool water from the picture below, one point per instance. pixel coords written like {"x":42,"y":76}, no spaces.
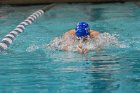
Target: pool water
{"x":28,"y":66}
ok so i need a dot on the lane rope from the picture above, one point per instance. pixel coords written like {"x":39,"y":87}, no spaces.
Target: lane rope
{"x":8,"y":39}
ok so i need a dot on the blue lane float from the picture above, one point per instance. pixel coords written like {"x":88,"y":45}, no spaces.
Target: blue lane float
{"x":8,"y":39}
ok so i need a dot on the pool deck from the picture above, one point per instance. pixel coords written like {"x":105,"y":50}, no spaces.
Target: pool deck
{"x":22,"y":2}
{"x":138,"y":3}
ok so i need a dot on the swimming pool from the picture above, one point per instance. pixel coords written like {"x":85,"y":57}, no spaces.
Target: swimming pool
{"x":28,"y":67}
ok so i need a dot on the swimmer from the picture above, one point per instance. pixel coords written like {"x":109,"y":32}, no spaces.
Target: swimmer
{"x":82,"y":32}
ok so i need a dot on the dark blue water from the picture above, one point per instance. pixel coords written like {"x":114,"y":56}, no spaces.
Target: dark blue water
{"x":28,"y":67}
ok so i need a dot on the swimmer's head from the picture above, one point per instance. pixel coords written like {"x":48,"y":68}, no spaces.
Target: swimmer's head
{"x":82,"y":30}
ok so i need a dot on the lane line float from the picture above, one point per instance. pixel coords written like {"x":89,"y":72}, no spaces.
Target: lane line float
{"x":8,"y":39}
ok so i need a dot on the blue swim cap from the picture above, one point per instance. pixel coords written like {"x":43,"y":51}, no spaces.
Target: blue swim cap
{"x":82,"y":29}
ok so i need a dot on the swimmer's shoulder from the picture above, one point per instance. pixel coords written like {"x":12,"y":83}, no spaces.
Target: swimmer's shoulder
{"x":94,"y":33}
{"x":70,"y":32}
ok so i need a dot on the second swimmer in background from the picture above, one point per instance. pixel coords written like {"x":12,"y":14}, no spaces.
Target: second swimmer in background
{"x":81,"y":33}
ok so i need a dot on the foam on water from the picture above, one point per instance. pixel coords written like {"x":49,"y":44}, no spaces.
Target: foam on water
{"x":32,"y":48}
{"x":104,"y":40}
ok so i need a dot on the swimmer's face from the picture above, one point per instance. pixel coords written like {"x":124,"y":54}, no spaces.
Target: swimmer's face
{"x":84,"y":39}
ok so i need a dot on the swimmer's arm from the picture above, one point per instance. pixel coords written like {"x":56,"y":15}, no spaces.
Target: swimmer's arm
{"x":70,"y":32}
{"x":69,"y":36}
{"x":94,"y":34}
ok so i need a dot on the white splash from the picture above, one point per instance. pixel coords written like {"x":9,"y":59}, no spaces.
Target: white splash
{"x":103,"y":40}
{"x":32,"y":48}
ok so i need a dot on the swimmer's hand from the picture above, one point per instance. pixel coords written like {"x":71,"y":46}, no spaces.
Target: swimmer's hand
{"x":81,"y":49}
